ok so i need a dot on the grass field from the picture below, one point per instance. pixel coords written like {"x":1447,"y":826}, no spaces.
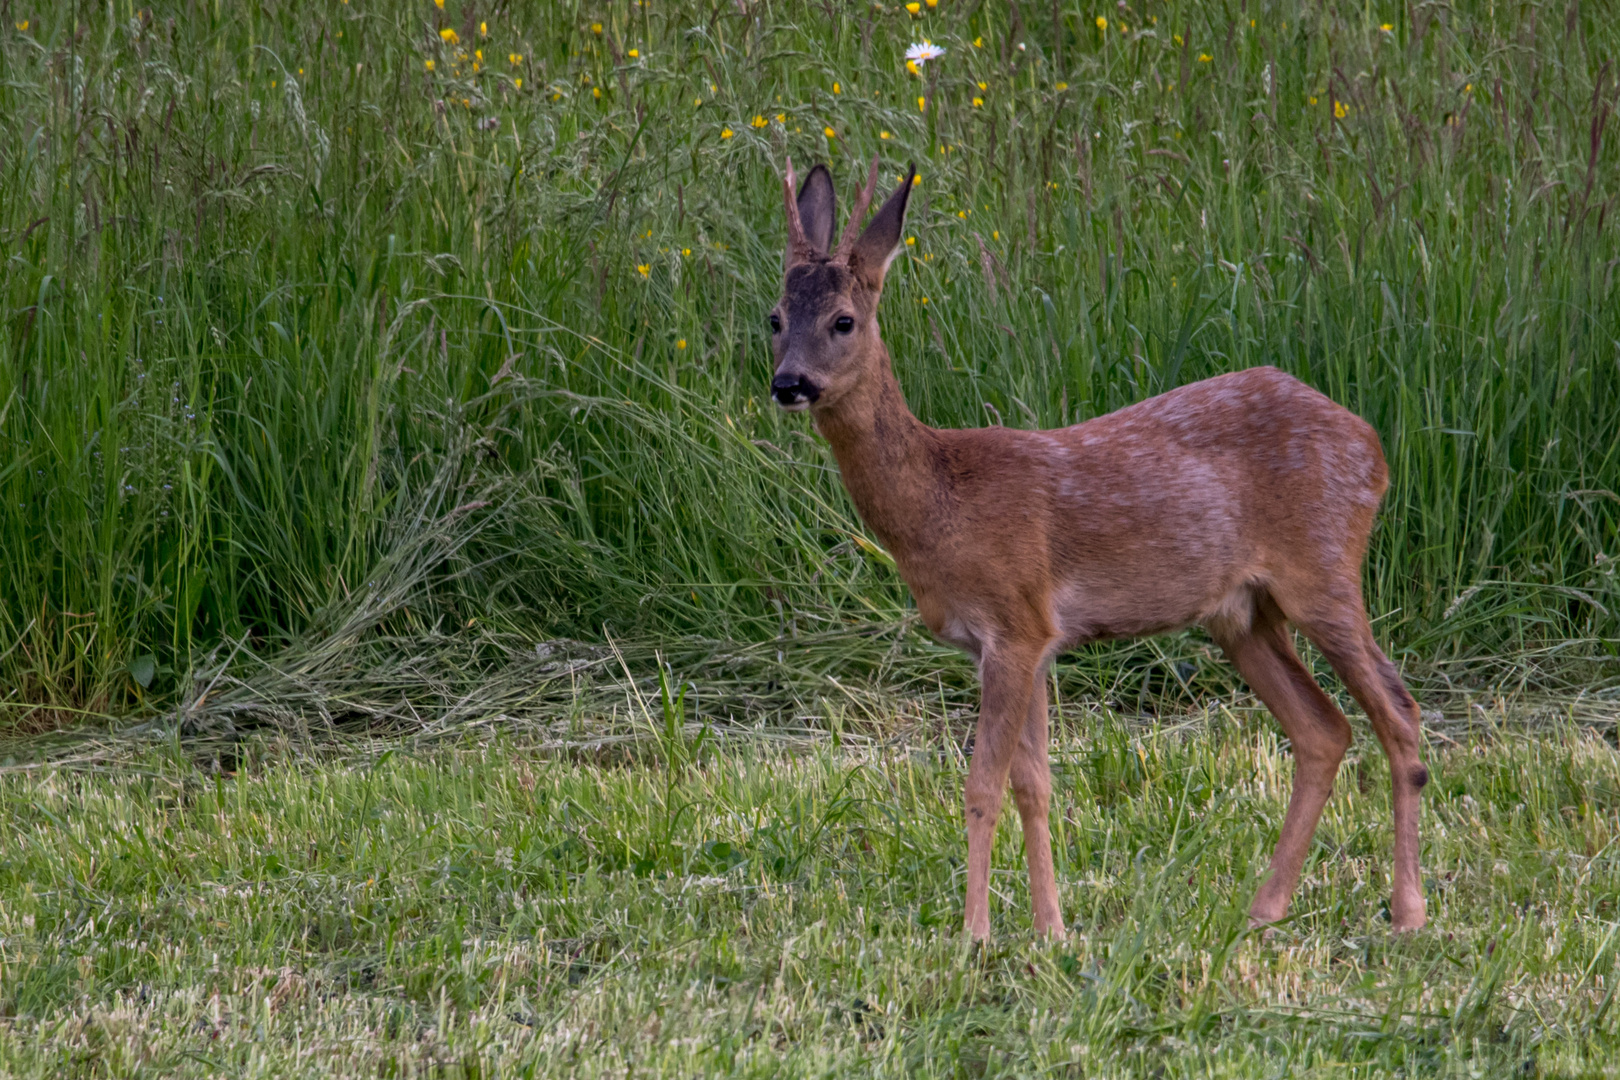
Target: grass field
{"x":424,"y":651}
{"x":755,"y":905}
{"x":331,"y":323}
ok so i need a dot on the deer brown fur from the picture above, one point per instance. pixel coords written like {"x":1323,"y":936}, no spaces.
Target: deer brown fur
{"x":1242,"y":503}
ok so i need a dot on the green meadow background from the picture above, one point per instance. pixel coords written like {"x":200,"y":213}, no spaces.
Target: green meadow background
{"x":367,"y":335}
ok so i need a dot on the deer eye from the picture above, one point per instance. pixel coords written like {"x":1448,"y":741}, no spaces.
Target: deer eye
{"x":776,"y":323}
{"x":843,"y":324}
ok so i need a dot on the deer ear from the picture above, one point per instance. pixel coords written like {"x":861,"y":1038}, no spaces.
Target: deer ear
{"x":873,"y":252}
{"x":818,"y":205}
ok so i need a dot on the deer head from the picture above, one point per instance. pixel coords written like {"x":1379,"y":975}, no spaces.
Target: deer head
{"x":824,"y":330}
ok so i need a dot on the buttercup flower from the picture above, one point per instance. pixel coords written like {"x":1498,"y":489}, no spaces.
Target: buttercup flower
{"x":922,"y":104}
{"x":644,"y":269}
{"x":914,"y":8}
{"x":428,"y":64}
{"x":758,"y":122}
{"x":1340,"y":110}
{"x":884,"y":135}
{"x":449,"y":36}
{"x":725,"y":133}
{"x":1102,"y":22}
{"x":978,"y":102}
{"x":829,"y":132}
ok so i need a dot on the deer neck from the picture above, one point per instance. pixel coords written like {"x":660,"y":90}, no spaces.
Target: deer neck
{"x":885,"y":456}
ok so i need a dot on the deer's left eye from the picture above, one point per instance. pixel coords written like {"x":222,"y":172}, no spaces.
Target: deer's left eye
{"x":843,"y":324}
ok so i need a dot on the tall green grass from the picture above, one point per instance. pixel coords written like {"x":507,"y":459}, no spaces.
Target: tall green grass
{"x":304,"y":341}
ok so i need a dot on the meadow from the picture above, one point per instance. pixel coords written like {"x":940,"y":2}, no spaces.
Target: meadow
{"x":424,"y":650}
{"x":339,"y":329}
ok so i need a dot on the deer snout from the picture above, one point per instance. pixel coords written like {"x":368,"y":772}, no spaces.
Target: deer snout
{"x":794,"y":392}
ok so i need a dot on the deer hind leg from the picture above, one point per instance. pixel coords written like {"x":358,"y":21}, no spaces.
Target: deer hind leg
{"x":1265,"y":657}
{"x":1008,"y":683}
{"x":1032,"y":792}
{"x":1345,"y":638}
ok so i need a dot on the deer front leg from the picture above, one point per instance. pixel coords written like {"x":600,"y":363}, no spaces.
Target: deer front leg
{"x":1032,"y":791}
{"x":1009,"y":683}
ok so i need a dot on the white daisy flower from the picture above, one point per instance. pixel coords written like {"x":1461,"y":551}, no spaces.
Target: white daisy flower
{"x":923,"y":52}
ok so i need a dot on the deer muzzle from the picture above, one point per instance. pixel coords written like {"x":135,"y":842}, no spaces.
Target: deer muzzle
{"x":794,"y":393}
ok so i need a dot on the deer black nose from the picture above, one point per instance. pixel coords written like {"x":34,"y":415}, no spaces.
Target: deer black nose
{"x":791,"y":390}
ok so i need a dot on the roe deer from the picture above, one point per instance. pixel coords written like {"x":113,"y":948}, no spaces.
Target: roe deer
{"x":1242,"y":503}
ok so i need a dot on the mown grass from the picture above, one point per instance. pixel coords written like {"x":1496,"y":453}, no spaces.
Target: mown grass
{"x":683,"y":905}
{"x":306,"y":345}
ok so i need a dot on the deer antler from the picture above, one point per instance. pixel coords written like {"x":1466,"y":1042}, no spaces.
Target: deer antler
{"x":857,"y":216}
{"x":799,"y":247}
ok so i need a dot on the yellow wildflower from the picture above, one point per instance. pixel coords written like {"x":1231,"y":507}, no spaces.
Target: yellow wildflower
{"x":1204,"y":58}
{"x":439,"y":4}
{"x":429,"y":65}
{"x":686,"y":253}
{"x":914,"y":8}
{"x":1469,"y":89}
{"x":696,"y":102}
{"x":449,"y":36}
{"x":1387,"y":28}
{"x":1340,"y":110}
{"x":837,"y":89}
{"x":1062,"y":86}
{"x":961,"y":214}
{"x":479,"y":55}
{"x":911,"y":66}
{"x":596,"y":28}
{"x":1177,"y":39}
{"x":644,"y":270}
{"x":725,"y":133}
{"x":1312,"y":99}
{"x":884,"y":135}
{"x":995,"y":234}
{"x":978,"y":102}
{"x":978,"y":43}
{"x":514,"y":58}
{"x":1102,"y":22}
{"x":911,"y":241}
{"x":635,"y":54}
{"x":22,"y":27}
{"x":596,"y":92}
{"x":922,"y":104}
{"x":1124,"y":29}
{"x":680,"y":343}
{"x":758,"y":122}
{"x":829,"y":132}
{"x":518,"y":83}
{"x":925,"y":299}
{"x":984,"y":86}
{"x":781,"y":118}
{"x":932,"y":3}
